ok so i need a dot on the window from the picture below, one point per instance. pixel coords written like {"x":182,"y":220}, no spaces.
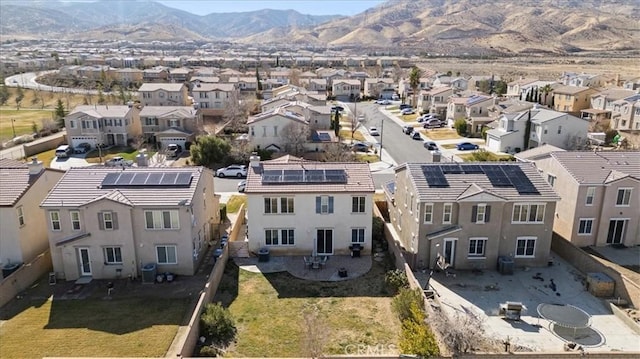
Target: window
{"x":107,"y":218}
{"x":166,"y":254}
{"x":54,"y":216}
{"x":525,"y":247}
{"x":75,"y":220}
{"x":551,"y":179}
{"x":477,"y":246}
{"x":286,"y":205}
{"x":446,"y":213}
{"x":168,"y":219}
{"x":481,"y":210}
{"x":270,"y":205}
{"x":591,"y":193}
{"x":113,"y":255}
{"x":528,"y":213}
{"x":559,"y":129}
{"x":72,"y":124}
{"x":624,"y":197}
{"x":20,"y":212}
{"x":428,"y":213}
{"x":358,"y":204}
{"x":324,"y":204}
{"x":357,"y":235}
{"x":585,"y":225}
{"x":287,"y":237}
{"x":271,"y":237}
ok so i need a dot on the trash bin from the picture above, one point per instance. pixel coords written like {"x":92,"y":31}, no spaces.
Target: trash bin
{"x":263,"y":255}
{"x":505,"y":265}
{"x":216,"y":254}
{"x":342,"y":272}
{"x":149,"y":273}
{"x":9,"y":268}
{"x":355,"y":250}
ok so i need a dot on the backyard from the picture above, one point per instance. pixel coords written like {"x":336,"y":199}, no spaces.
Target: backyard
{"x":269,"y":310}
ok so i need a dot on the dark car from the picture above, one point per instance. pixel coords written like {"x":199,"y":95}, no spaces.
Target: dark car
{"x":407,"y":129}
{"x":84,"y":147}
{"x":416,"y":136}
{"x":337,"y":108}
{"x":404,"y":105}
{"x":360,"y":147}
{"x":466,"y":146}
{"x":431,"y":146}
{"x":433,"y":123}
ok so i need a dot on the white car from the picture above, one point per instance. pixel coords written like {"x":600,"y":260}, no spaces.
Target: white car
{"x":241,"y":185}
{"x":373,"y":131}
{"x":232,"y":171}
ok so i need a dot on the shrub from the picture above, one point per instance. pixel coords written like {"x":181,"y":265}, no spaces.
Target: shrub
{"x":482,"y":155}
{"x":406,"y":299}
{"x":217,"y":324}
{"x":396,"y":279}
{"x":377,"y":230}
{"x":461,"y":127}
{"x":416,"y":337}
{"x":223,"y":211}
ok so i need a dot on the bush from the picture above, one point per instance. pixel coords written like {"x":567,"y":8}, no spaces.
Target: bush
{"x":377,"y":230}
{"x":217,"y":324}
{"x":461,"y":127}
{"x":396,"y":279}
{"x":405,"y":301}
{"x":416,"y":337}
{"x":223,"y":211}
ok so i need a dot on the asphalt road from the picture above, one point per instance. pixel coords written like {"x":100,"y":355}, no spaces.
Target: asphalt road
{"x":28,"y":80}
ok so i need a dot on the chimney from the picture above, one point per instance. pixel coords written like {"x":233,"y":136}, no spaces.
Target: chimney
{"x":254,"y":160}
{"x":35,"y":166}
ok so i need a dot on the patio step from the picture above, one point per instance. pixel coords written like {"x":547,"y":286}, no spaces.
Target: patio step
{"x":239,"y":249}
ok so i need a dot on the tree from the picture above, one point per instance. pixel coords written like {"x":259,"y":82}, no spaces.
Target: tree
{"x":101,"y":99}
{"x":338,"y":152}
{"x":19,"y":97}
{"x":59,"y":113}
{"x":461,"y":126}
{"x":4,"y":94}
{"x":335,"y":124}
{"x":546,"y":90}
{"x":414,"y":82}
{"x":500,"y":88}
{"x":462,"y":333}
{"x":295,"y":135}
{"x":527,"y":131}
{"x":484,"y":86}
{"x":294,"y":77}
{"x":258,"y":79}
{"x":235,"y":111}
{"x":209,"y":150}
{"x":218,"y":324}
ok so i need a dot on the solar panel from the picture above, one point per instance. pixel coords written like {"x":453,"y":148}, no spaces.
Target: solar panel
{"x":434,"y":176}
{"x":271,"y":179}
{"x":140,"y":179}
{"x":168,"y":179}
{"x":496,"y":176}
{"x":125,"y":178}
{"x":184,"y":178}
{"x":146,"y":179}
{"x":324,"y":136}
{"x":314,"y":176}
{"x":451,"y":169}
{"x":110,"y":179}
{"x":154,"y":178}
{"x":472,"y":169}
{"x":519,"y":179}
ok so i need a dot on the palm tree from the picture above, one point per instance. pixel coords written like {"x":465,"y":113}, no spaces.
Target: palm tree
{"x":414,"y":82}
{"x":546,"y":90}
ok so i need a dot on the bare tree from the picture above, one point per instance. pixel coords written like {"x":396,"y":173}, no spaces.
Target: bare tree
{"x":235,"y":111}
{"x":462,"y":333}
{"x":338,"y":152}
{"x":295,"y":135}
{"x":316,"y":333}
{"x":294,"y":77}
{"x":353,"y":121}
{"x":575,"y":142}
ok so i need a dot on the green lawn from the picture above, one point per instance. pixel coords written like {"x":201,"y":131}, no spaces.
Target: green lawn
{"x":234,"y":203}
{"x":46,"y":157}
{"x":346,"y":134}
{"x":23,"y":121}
{"x":408,"y":118}
{"x":268,"y":310}
{"x":369,"y":158}
{"x":140,"y":327}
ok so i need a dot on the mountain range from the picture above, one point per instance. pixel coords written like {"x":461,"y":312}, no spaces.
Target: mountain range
{"x":432,"y":26}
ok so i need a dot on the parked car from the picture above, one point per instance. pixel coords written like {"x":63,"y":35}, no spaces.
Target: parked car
{"x":408,"y":111}
{"x":426,"y":117}
{"x":404,"y":105}
{"x":173,"y":150}
{"x":361,"y":118}
{"x":373,"y":131}
{"x":433,"y":123}
{"x":383,"y":102}
{"x":241,"y":185}
{"x":232,"y":171}
{"x":337,"y":108}
{"x":416,"y":136}
{"x":466,"y":146}
{"x":118,"y":161}
{"x":63,"y":151}
{"x":431,"y":146}
{"x":84,"y":147}
{"x":360,"y":147}
{"x":407,"y":129}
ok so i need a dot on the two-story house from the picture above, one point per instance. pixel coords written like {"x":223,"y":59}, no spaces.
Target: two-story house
{"x":266,"y":129}
{"x":304,"y":208}
{"x":600,"y":196}
{"x":156,"y":74}
{"x":473,"y":109}
{"x":379,"y":88}
{"x":439,"y":101}
{"x":346,"y":89}
{"x":164,"y":125}
{"x":471,"y":215}
{"x":314,"y":84}
{"x":103,"y":125}
{"x":108,"y":223}
{"x":572,"y":99}
{"x":602,"y":103}
{"x":456,"y":83}
{"x":128,"y":76}
{"x":22,"y":187}
{"x":245,"y":84}
{"x":582,"y":80}
{"x":212,"y":98}
{"x":625,"y":114}
{"x":546,"y":127}
{"x":163,"y":94}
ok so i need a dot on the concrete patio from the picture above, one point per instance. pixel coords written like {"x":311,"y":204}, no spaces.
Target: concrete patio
{"x":354,"y":267}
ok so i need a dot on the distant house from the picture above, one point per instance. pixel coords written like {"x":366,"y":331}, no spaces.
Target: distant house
{"x":599,"y":202}
{"x":468,"y":216}
{"x":180,"y":74}
{"x":572,"y":99}
{"x":103,"y":125}
{"x":319,"y":85}
{"x":156,"y":74}
{"x":379,"y":88}
{"x":108,"y":223}
{"x":602,"y":103}
{"x":582,"y":79}
{"x":305,"y":208}
{"x":212,"y":98}
{"x":22,"y":187}
{"x":439,"y":101}
{"x":456,"y":83}
{"x":518,"y":88}
{"x":346,"y":89}
{"x":164,"y":125}
{"x":128,"y":76}
{"x":625,"y":115}
{"x":163,"y":94}
{"x":474,"y":109}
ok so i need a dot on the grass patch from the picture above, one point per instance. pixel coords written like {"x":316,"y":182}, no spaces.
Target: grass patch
{"x":128,"y":153}
{"x":441,"y":134}
{"x":470,"y":157}
{"x":393,"y":108}
{"x":409,"y":118}
{"x":140,"y":327}
{"x":46,"y":157}
{"x":23,"y":121}
{"x":369,"y":158}
{"x":357,"y":136}
{"x":379,"y":197}
{"x":351,"y":312}
{"x":448,"y":146}
{"x":234,"y":203}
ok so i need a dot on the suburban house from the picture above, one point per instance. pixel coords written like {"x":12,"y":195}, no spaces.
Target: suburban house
{"x":346,"y":89}
{"x":319,"y":85}
{"x":439,"y":101}
{"x":22,"y":187}
{"x":602,"y":103}
{"x":582,"y":80}
{"x":517,"y":89}
{"x":473,"y":109}
{"x":211,"y":98}
{"x":164,"y":94}
{"x":128,"y":76}
{"x":599,"y":191}
{"x":156,"y":74}
{"x":106,"y":223}
{"x":379,"y":88}
{"x":572,"y":99}
{"x":456,"y":83}
{"x":471,"y":215}
{"x":164,"y":125}
{"x":626,"y":114}
{"x":305,"y":208}
{"x":103,"y":124}
{"x":546,"y":127}
{"x":405,"y":90}
{"x":267,"y":129}
{"x":632,"y":84}
{"x":245,"y":83}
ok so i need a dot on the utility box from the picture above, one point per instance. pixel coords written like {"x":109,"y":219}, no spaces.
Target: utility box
{"x":505,"y":265}
{"x":600,"y":285}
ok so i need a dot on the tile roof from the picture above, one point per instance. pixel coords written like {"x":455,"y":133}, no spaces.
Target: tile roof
{"x":537,"y":152}
{"x":359,"y":179}
{"x":214,"y":86}
{"x":596,"y":167}
{"x":282,"y":111}
{"x":160,"y":86}
{"x":570,"y":90}
{"x":14,"y":181}
{"x":96,"y":111}
{"x":80,"y":186}
{"x":163,"y":111}
{"x":464,"y":185}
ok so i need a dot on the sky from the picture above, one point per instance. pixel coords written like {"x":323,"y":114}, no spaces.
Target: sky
{"x":310,"y":7}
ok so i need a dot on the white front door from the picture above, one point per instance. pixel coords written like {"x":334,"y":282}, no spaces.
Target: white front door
{"x":450,"y":251}
{"x":84,"y":261}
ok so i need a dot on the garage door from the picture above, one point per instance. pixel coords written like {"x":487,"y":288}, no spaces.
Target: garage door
{"x":493,"y":144}
{"x":76,"y":140}
{"x":165,"y":141}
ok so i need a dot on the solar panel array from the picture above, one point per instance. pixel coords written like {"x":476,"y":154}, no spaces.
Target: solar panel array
{"x":498,"y":175}
{"x":147,"y":179}
{"x":304,"y":176}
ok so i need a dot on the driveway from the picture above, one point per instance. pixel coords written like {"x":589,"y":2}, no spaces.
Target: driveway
{"x":66,"y":163}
